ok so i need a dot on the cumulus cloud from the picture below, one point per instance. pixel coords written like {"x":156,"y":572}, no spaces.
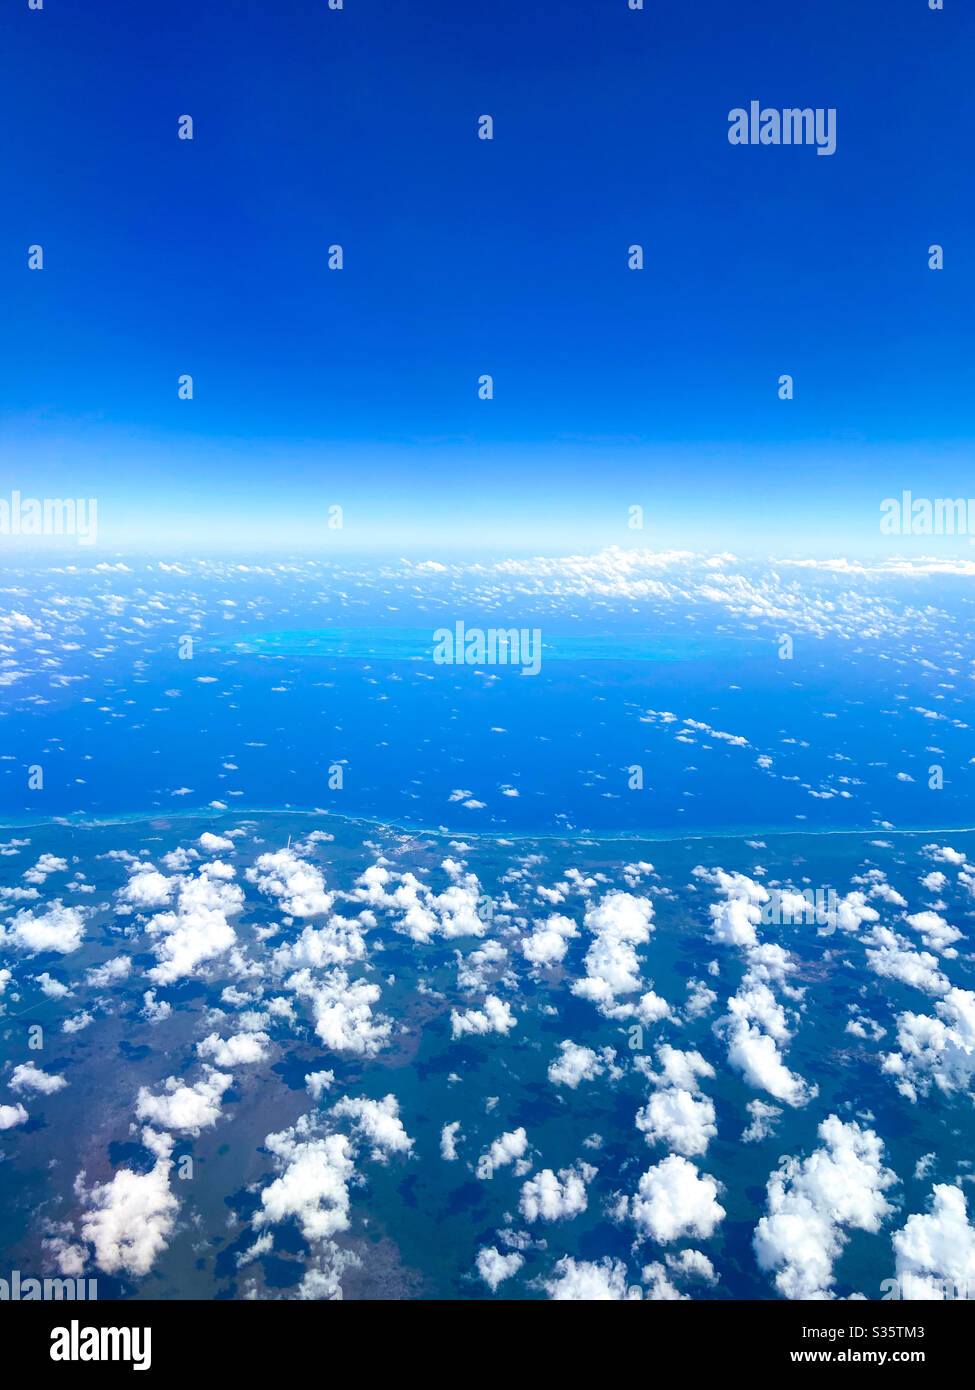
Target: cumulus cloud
{"x":59,"y":929}
{"x":128,"y":1220}
{"x":146,"y":888}
{"x":576,"y":1064}
{"x":935,"y":1251}
{"x":415,"y":909}
{"x":619,"y":923}
{"x":764,"y":1117}
{"x":549,"y":941}
{"x":588,"y":1281}
{"x":679,"y":1120}
{"x":734,"y":921}
{"x":936,"y":1050}
{"x":450,"y":1135}
{"x":551,"y":1197}
{"x":312,"y":1183}
{"x":376,"y":1122}
{"x":184,"y":1109}
{"x":239,"y":1049}
{"x":198,"y":930}
{"x":29,"y":1077}
{"x":494,"y":1017}
{"x":675,"y":1200}
{"x":298,"y":886}
{"x":342,"y":1009}
{"x":506,"y":1149}
{"x":493,"y":1267}
{"x":811,"y":1203}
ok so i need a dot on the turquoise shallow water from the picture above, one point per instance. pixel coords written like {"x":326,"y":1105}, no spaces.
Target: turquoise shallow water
{"x":417,"y":644}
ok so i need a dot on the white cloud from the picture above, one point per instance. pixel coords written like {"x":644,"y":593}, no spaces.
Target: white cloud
{"x":237,"y":1050}
{"x":681,"y":1121}
{"x":674,"y":1200}
{"x":449,"y":1138}
{"x":935,"y":1252}
{"x":297,"y":885}
{"x":493,"y":1267}
{"x":342,"y":1009}
{"x":619,"y":924}
{"x":762,"y":1126}
{"x":585,"y":1281}
{"x":549,"y":941}
{"x":312,"y":1186}
{"x":198,"y":930}
{"x":28,"y":1077}
{"x":129,"y":1219}
{"x":184,"y":1109}
{"x":59,"y":929}
{"x":495,"y":1017}
{"x":812,"y":1201}
{"x":547,"y":1197}
{"x":576,"y":1064}
{"x":503,"y":1151}
{"x":377,"y":1122}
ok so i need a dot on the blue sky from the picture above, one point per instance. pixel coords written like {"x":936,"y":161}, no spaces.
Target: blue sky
{"x":612,"y":387}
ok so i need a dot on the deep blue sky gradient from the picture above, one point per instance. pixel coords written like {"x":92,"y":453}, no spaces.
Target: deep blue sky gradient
{"x":612,"y":387}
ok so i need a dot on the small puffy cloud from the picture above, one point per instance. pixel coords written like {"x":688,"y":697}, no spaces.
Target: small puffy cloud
{"x":503,"y":1151}
{"x":756,"y":1055}
{"x":734,"y":921}
{"x":112,"y":972}
{"x":297,"y":885}
{"x":449,"y":1138}
{"x":936,"y":933}
{"x":587,"y":1281}
{"x":28,"y":1077}
{"x":675,"y":1200}
{"x":146,"y":888}
{"x":184,"y":1109}
{"x":812,"y":1202}
{"x":12,"y":1115}
{"x":935,"y":1251}
{"x":551,"y":1197}
{"x":936,"y":1050}
{"x":764,"y":1117}
{"x":619,"y":923}
{"x":549,"y":941}
{"x":128,"y":1220}
{"x":213,"y":844}
{"x":59,"y":929}
{"x":574,"y":1065}
{"x":318,"y":1082}
{"x":239,"y":1049}
{"x":493,"y":1267}
{"x":198,"y":931}
{"x":675,"y":1118}
{"x":312,"y":1183}
{"x":494,"y":1017}
{"x":376,"y":1122}
{"x":342,"y":1008}
{"x":46,"y":865}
